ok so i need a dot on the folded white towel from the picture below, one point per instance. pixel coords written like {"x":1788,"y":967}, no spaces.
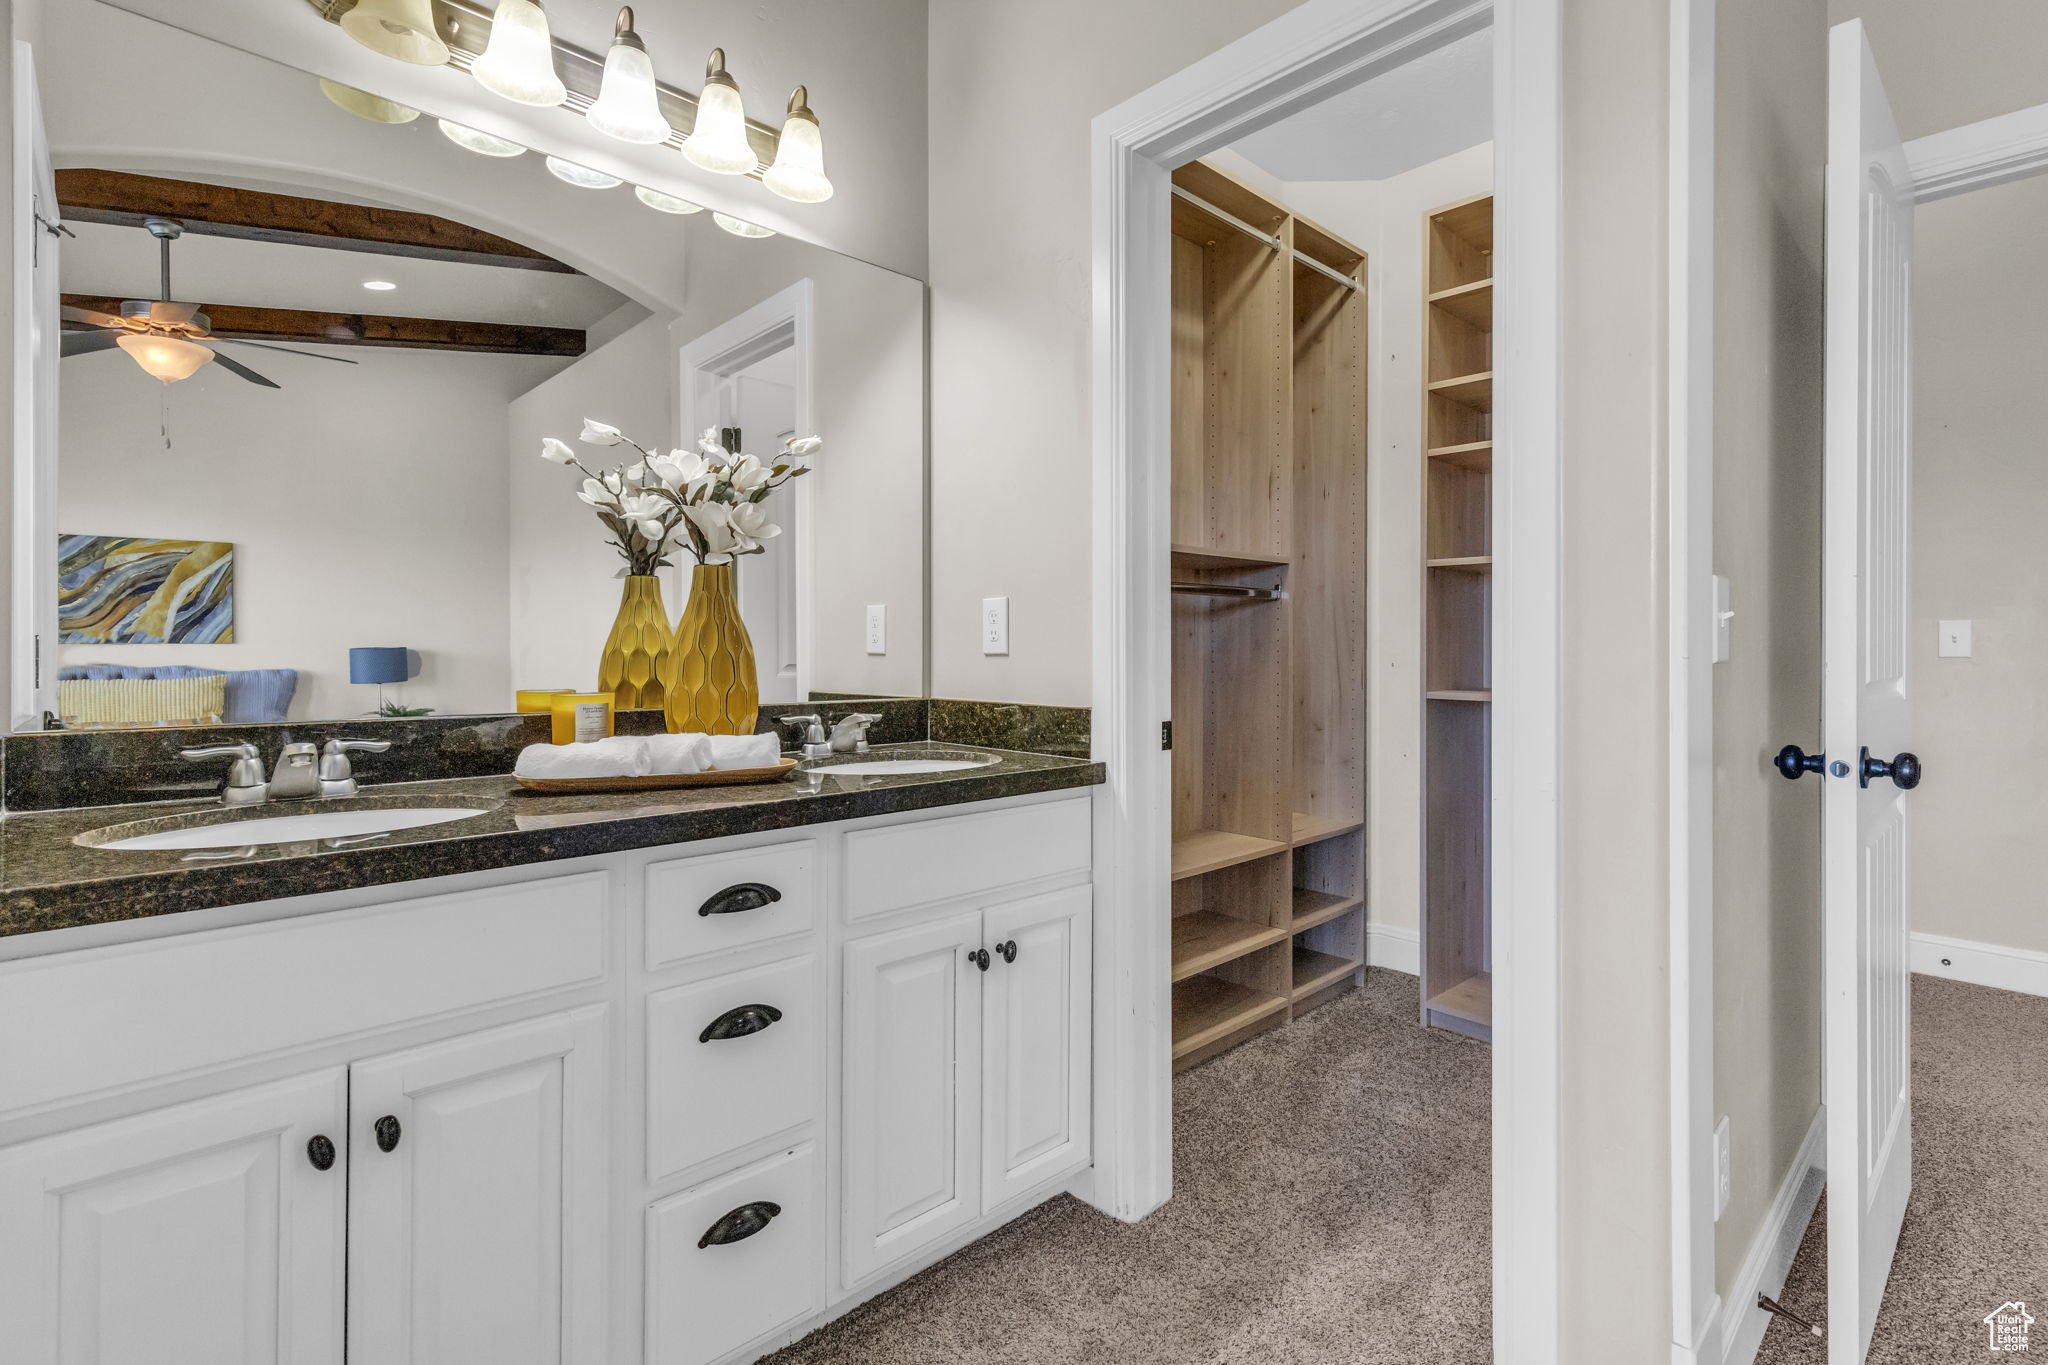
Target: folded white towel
{"x":745,"y":751}
{"x":617,"y":756}
{"x":678,"y":755}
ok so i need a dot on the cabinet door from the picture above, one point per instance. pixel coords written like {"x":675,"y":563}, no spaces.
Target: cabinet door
{"x":200,"y":1234}
{"x":1035,"y":1043}
{"x":911,"y":1103}
{"x":476,"y":1216}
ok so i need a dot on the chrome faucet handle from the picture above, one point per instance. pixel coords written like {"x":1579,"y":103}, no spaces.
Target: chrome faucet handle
{"x":292,"y":778}
{"x":850,"y":735}
{"x":245,"y":785}
{"x":337,"y":774}
{"x":814,"y":744}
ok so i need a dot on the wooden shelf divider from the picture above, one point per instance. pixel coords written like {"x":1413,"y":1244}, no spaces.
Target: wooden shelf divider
{"x":1206,"y":939}
{"x":1210,"y":850}
{"x":1320,"y":907}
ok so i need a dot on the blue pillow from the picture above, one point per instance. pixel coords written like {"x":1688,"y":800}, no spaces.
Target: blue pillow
{"x":255,"y":696}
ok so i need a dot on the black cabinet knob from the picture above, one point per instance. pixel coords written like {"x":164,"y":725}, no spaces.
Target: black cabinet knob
{"x":387,"y":1131}
{"x":742,"y":1223}
{"x":1793,"y":763}
{"x":979,"y":957}
{"x":745,"y":896}
{"x":1008,"y":950}
{"x":1904,"y":770}
{"x":738,"y":1023}
{"x":320,"y":1151}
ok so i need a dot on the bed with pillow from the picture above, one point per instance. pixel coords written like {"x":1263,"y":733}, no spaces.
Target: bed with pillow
{"x":100,"y":696}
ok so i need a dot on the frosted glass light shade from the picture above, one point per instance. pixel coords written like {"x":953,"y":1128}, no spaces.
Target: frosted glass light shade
{"x":626,"y":106}
{"x":799,"y":169}
{"x":397,"y":28}
{"x":581,"y":176}
{"x":519,"y":61}
{"x":365,"y":105}
{"x":718,"y":142}
{"x":667,"y":203}
{"x":167,"y":358}
{"x":485,"y":144}
{"x":740,"y":227}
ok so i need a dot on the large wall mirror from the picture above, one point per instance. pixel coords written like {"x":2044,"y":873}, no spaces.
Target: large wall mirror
{"x":395,"y":321}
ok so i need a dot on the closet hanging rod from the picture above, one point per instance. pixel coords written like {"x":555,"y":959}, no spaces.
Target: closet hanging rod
{"x":1229,"y":590}
{"x":1339,"y":276}
{"x":1272,"y":242}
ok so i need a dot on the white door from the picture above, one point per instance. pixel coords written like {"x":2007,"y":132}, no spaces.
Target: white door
{"x":201,"y":1234}
{"x":1865,"y":698}
{"x":1034,"y":1043}
{"x":912,"y":1090}
{"x":476,"y":1199}
{"x":36,"y":329}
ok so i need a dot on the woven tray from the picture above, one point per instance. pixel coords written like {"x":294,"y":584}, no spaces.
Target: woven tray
{"x":715,"y":777}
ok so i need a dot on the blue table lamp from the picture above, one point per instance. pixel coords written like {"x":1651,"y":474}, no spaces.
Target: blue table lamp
{"x":380,"y":665}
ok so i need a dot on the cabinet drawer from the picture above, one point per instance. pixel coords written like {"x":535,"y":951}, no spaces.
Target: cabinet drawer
{"x":724,"y":901}
{"x":901,"y":867}
{"x":77,"y":1024}
{"x":731,"y":1061}
{"x":705,"y":1300}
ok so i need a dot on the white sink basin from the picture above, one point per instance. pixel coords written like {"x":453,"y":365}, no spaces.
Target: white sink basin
{"x":876,"y":767}
{"x":292,"y":829}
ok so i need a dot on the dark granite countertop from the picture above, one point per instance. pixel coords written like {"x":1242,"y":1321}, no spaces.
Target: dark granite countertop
{"x":50,"y":881}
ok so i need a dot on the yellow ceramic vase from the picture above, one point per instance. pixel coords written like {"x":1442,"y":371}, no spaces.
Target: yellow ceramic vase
{"x":639,"y":655}
{"x":714,"y":689}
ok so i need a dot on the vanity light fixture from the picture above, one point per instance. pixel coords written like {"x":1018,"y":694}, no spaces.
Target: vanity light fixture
{"x":167,"y":358}
{"x":581,"y":176}
{"x":397,"y":28}
{"x":719,"y":141}
{"x":627,"y":107}
{"x":381,"y":286}
{"x":485,"y":144}
{"x":519,"y":60}
{"x":740,"y":227}
{"x":667,"y":203}
{"x":799,"y":169}
{"x":365,"y":105}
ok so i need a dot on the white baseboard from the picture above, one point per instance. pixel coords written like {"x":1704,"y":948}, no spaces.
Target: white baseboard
{"x":1739,"y":1331}
{"x":1394,"y":948}
{"x":1982,"y":964}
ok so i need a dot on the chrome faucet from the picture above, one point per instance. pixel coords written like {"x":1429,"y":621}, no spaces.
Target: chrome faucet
{"x":245,"y":785}
{"x":850,"y":735}
{"x":814,"y":744}
{"x":292,"y":779}
{"x":337,"y":775}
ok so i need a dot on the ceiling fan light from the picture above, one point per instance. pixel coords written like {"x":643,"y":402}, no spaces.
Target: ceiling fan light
{"x":365,"y":105}
{"x":397,"y":28}
{"x":740,"y":227}
{"x":667,"y":203}
{"x":167,"y":358}
{"x":799,"y":169}
{"x":519,"y":60}
{"x":718,"y":142}
{"x":569,"y":173}
{"x":484,"y":144}
{"x":627,"y":107}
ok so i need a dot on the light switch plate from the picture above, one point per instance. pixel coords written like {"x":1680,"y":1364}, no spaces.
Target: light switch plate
{"x":1952,"y":639}
{"x":878,"y":630}
{"x":995,"y":625}
{"x":1724,"y":1169}
{"x":1724,"y":616}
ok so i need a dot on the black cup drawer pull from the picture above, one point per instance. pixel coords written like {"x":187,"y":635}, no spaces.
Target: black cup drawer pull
{"x":745,"y":896}
{"x":742,"y":1223}
{"x":738,"y":1023}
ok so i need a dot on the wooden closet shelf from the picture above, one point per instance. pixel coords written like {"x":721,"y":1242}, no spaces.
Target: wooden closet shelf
{"x":1313,"y":971}
{"x":1205,"y":939}
{"x":1310,"y":829}
{"x":1320,"y":907}
{"x":1471,"y":302}
{"x":1207,"y":850}
{"x":1471,"y":390}
{"x":1198,"y":556}
{"x":1474,"y":455}
{"x":1463,"y":563}
{"x":1207,"y":1009}
{"x":1471,"y":999}
{"x":1479,"y":694}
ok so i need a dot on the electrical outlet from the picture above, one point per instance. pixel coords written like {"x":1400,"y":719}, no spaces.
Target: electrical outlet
{"x":1952,"y":639}
{"x":878,"y":630}
{"x":995,"y":625}
{"x":1724,"y":1169}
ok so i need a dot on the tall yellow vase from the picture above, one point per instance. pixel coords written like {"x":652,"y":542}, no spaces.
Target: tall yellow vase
{"x":639,"y":655}
{"x":715,"y":689}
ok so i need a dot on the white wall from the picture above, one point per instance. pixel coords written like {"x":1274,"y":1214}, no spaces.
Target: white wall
{"x":366,"y":505}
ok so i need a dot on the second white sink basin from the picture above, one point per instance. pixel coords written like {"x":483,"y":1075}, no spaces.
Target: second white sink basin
{"x":876,"y":767}
{"x":292,"y":829}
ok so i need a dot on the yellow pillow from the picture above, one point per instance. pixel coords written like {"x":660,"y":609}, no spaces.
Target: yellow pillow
{"x":103,"y":703}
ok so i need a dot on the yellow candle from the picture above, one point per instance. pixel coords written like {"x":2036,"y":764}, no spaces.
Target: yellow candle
{"x":580,"y":717}
{"x":541,"y":700}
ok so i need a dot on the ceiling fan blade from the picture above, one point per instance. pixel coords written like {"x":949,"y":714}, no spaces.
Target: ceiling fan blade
{"x":87,"y":315}
{"x":283,"y":350}
{"x":85,"y":343}
{"x":233,"y":366}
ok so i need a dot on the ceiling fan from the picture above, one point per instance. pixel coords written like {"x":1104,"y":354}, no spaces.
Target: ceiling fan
{"x":169,"y":340}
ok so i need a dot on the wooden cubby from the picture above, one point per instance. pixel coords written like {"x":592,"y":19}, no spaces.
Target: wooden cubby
{"x":1457,"y":537}
{"x":1268,"y":529}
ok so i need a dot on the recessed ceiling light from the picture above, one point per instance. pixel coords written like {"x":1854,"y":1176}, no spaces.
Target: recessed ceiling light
{"x":581,"y":176}
{"x":488,"y":144}
{"x":379,"y":285}
{"x":740,"y":227}
{"x":667,"y":203}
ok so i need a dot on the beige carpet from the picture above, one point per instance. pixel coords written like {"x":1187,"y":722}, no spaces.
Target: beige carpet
{"x":1330,"y":1208}
{"x":1976,"y":1231}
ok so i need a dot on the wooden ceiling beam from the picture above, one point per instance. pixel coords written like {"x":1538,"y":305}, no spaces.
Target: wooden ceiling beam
{"x":365,"y":329}
{"x":125,"y":200}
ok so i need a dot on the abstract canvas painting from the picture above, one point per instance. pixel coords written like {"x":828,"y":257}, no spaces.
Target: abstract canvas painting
{"x":128,"y":590}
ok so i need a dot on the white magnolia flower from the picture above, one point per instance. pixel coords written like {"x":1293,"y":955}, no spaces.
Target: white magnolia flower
{"x":803,"y":447}
{"x":642,"y":506}
{"x":750,"y":523}
{"x":614,"y":482}
{"x":558,"y":451}
{"x":679,"y":468}
{"x":596,"y":433}
{"x":597,"y":495}
{"x":714,"y":523}
{"x":636,"y":474}
{"x":653,"y":531}
{"x":748,"y":474}
{"x":708,"y":442}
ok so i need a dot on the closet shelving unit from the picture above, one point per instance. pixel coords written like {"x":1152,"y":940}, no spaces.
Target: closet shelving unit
{"x":1457,"y":535}
{"x":1268,"y":606}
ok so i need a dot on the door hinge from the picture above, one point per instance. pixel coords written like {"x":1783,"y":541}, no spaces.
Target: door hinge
{"x":1166,"y":734}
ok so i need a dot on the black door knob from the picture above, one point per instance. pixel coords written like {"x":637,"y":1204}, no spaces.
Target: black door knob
{"x":979,"y":957}
{"x":387,"y":1131}
{"x":739,"y":1023}
{"x":320,"y":1151}
{"x":1904,"y":770}
{"x":1008,"y":950}
{"x":1794,"y":763}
